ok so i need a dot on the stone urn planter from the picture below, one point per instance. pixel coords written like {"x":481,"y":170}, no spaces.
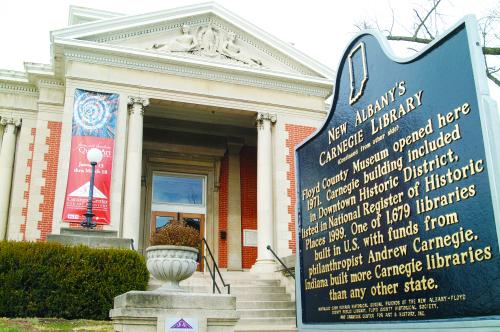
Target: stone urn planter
{"x":171,"y":264}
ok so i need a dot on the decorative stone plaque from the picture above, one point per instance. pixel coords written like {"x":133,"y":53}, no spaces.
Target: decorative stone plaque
{"x":249,"y":238}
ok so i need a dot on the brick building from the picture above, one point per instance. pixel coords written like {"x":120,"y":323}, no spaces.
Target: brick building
{"x":209,"y":110}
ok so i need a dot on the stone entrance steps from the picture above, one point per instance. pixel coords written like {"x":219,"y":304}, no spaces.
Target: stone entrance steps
{"x":263,"y":305}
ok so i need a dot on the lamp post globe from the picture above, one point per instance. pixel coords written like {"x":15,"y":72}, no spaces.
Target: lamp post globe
{"x":94,"y":156}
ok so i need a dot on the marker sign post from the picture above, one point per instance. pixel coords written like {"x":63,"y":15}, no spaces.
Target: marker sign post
{"x":398,"y":211}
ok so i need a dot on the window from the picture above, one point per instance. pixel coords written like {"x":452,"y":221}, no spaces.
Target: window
{"x":178,"y":189}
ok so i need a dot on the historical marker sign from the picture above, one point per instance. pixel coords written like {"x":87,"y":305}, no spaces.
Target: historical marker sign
{"x":396,"y":212}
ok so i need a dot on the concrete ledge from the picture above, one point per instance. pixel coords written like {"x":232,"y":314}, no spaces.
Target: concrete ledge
{"x":89,"y":232}
{"x":147,"y":311}
{"x":154,"y":299}
{"x":91,"y":238}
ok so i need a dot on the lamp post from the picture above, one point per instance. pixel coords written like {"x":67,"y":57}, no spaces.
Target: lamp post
{"x":94,"y":156}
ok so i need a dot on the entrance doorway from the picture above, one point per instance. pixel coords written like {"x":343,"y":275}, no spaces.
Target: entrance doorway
{"x":179,"y":197}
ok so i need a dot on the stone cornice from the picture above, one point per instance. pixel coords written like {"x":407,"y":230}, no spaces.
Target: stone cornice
{"x":143,"y":22}
{"x":13,"y":76}
{"x":196,"y":22}
{"x":90,"y":52}
{"x":16,"y":88}
{"x":35,"y":76}
{"x":77,"y":14}
{"x":48,"y":83}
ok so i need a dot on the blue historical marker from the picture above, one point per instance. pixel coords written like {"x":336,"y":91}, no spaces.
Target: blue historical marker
{"x":398,"y":201}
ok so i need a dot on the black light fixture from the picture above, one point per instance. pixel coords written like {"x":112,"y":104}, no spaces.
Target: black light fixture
{"x":94,"y":156}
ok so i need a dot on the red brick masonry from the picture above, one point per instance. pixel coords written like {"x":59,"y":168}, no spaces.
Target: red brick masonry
{"x":296,"y":135}
{"x":48,"y":191}
{"x":248,"y":178}
{"x":223,"y":208}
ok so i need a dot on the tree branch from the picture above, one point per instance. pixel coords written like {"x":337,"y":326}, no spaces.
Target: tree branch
{"x":493,"y":78}
{"x":486,"y":50}
{"x":410,"y":39}
{"x":425,"y":26}
{"x":491,"y":50}
{"x":425,"y":18}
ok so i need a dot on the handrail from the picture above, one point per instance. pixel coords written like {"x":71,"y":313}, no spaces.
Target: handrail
{"x":215,"y":269}
{"x":281,"y":262}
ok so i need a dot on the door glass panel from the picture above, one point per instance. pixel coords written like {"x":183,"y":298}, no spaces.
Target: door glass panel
{"x":176,"y":189}
{"x":162,"y":221}
{"x":193,"y":222}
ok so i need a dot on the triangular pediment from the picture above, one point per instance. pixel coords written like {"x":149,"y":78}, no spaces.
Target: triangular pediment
{"x":205,"y":33}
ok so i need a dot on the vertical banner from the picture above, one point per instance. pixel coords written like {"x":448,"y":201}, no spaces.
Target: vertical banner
{"x":94,"y":124}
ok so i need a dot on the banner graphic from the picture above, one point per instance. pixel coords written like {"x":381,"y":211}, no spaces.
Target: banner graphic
{"x":94,"y":125}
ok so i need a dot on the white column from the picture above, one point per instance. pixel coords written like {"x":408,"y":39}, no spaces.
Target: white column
{"x":133,"y":171}
{"x":7,"y":153}
{"x":234,"y":262}
{"x":265,"y":213}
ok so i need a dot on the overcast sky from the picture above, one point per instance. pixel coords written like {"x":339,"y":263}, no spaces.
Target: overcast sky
{"x":321,"y":29}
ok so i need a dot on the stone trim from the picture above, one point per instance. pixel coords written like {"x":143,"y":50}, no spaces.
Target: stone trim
{"x":46,"y":83}
{"x":195,"y":72}
{"x":146,"y":23}
{"x":19,"y":89}
{"x":26,"y":193}
{"x":195,"y":23}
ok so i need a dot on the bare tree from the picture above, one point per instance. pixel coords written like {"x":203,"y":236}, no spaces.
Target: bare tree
{"x":427,"y":25}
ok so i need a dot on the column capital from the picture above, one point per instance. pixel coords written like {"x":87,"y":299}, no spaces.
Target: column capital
{"x":12,"y":120}
{"x":138,"y":100}
{"x":261,"y":117}
{"x":137,"y":104}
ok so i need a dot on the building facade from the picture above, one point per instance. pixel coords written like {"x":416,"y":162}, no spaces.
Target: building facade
{"x":209,"y":110}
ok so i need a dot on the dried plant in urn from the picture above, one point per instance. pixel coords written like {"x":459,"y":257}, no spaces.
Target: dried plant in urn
{"x":172,"y":256}
{"x":177,"y":233}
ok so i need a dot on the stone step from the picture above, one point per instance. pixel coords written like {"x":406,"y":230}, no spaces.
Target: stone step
{"x":252,"y":282}
{"x":265,"y":305}
{"x":233,"y":283}
{"x":265,"y":328}
{"x":263,"y":297}
{"x":237,"y":290}
{"x":206,"y":287}
{"x":230,"y":275}
{"x":283,"y":321}
{"x":265,"y":313}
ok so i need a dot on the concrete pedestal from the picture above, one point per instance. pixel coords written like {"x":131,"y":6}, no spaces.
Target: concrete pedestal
{"x":91,"y":238}
{"x":138,"y":311}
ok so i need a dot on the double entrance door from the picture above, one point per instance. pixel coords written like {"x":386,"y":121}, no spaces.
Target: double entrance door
{"x":160,"y":219}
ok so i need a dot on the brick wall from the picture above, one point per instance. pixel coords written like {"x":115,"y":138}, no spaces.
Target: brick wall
{"x":223,"y":209}
{"x":296,"y":134}
{"x":48,"y":190}
{"x":248,"y":178}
